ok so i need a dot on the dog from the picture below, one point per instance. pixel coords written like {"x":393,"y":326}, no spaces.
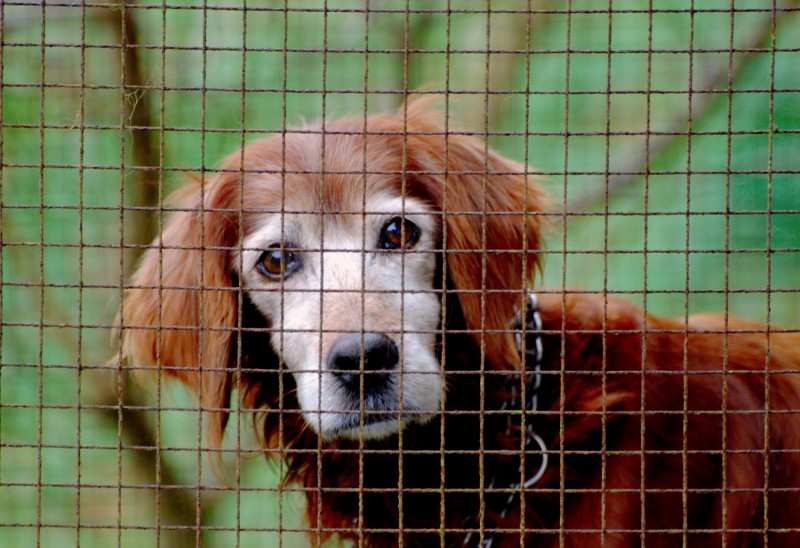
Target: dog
{"x":365,"y":287}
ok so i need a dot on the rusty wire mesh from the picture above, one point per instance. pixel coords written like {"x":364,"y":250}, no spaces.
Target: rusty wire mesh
{"x":666,"y":132}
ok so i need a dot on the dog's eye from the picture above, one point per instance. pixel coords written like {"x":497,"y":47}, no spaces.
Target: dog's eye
{"x":278,"y":263}
{"x":399,"y":233}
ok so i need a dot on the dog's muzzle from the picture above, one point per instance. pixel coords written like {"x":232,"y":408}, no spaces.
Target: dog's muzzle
{"x":368,"y":359}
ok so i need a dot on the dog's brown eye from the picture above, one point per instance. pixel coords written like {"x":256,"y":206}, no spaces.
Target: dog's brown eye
{"x":399,"y":233}
{"x":278,"y":263}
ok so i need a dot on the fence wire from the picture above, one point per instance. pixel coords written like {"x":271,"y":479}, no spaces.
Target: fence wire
{"x":665,"y":136}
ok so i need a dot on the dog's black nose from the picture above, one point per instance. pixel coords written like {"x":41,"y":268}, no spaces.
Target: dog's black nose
{"x":380,"y":356}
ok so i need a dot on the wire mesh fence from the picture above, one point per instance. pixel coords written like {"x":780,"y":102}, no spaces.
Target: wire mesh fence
{"x":367,"y":194}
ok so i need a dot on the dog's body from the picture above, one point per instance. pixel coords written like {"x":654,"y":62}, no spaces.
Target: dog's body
{"x":361,"y":287}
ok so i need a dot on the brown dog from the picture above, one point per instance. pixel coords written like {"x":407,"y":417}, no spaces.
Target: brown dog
{"x":366,"y":288}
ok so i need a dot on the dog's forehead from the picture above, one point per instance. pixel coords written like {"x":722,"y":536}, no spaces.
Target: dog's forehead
{"x":305,"y":226}
{"x":340,"y":172}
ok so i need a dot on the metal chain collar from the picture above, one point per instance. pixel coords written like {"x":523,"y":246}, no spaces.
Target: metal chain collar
{"x":532,"y":357}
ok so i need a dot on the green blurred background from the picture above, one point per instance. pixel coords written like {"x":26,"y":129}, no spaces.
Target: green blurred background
{"x":106,"y":108}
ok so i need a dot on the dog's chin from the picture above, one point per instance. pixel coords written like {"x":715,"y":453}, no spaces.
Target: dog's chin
{"x":376,"y":414}
{"x":373,"y":424}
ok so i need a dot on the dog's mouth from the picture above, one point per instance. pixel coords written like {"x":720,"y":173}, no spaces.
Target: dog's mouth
{"x":377,"y":415}
{"x":371,"y":424}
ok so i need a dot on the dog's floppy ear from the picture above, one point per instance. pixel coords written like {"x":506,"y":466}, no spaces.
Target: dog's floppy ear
{"x":493,"y":226}
{"x":181,"y":309}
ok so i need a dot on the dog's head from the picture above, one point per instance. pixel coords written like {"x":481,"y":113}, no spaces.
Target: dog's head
{"x":343,"y":237}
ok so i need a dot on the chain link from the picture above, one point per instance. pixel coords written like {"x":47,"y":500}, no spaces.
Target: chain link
{"x":532,"y":358}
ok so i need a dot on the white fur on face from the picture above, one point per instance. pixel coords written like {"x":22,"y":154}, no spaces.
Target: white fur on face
{"x":346,"y":285}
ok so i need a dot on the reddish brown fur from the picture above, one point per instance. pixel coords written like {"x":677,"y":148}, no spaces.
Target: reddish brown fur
{"x":621,"y":381}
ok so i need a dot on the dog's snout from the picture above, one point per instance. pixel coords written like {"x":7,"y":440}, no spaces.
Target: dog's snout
{"x":380,"y":356}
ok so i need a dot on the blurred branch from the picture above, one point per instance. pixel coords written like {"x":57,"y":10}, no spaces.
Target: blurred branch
{"x":178,"y":506}
{"x":143,"y":188}
{"x":490,"y":111}
{"x":505,"y":70}
{"x":177,"y":502}
{"x":637,"y":164}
